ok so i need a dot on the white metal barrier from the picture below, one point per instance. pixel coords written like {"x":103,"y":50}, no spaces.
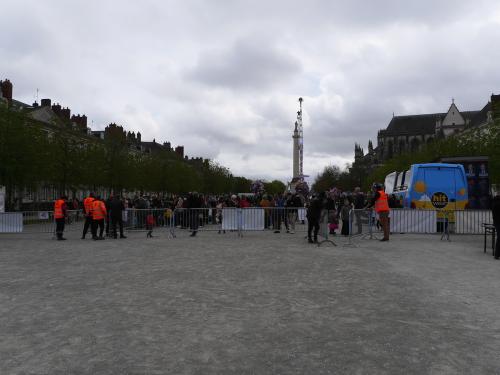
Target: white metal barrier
{"x":361,"y":222}
{"x":37,"y":221}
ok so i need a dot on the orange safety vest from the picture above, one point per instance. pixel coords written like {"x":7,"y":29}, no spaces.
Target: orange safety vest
{"x":87,"y":203}
{"x":58,"y":209}
{"x":98,"y":210}
{"x":381,"y":204}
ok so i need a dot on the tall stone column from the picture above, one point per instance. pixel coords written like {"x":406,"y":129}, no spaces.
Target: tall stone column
{"x":295,"y":152}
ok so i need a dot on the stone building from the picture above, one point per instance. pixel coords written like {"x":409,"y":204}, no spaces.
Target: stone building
{"x":409,"y":133}
{"x":57,"y":121}
{"x":53,"y":117}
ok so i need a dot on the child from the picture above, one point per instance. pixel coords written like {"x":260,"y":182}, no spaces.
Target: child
{"x":168,"y":214}
{"x":150,"y":222}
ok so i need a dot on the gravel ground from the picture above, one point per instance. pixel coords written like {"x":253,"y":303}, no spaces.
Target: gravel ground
{"x":262,"y":304}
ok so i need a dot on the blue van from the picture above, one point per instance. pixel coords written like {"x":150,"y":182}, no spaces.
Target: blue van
{"x":437,"y":186}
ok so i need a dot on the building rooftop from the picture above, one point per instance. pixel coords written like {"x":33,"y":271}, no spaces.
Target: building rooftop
{"x":419,"y":124}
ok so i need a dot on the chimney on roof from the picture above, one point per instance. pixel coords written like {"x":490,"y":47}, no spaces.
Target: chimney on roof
{"x":81,"y":121}
{"x":45,"y":102}
{"x":57,"y":109}
{"x":6,"y":89}
{"x":65,"y":113}
{"x":179,"y":150}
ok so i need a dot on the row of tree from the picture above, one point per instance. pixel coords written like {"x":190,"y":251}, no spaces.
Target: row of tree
{"x":333,"y":176}
{"x":31,"y":157}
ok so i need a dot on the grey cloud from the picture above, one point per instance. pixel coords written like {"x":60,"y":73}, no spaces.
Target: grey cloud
{"x":325,"y":15}
{"x":223,"y":77}
{"x":247,"y":64}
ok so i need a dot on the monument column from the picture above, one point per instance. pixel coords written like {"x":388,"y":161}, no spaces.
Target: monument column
{"x":296,"y":171}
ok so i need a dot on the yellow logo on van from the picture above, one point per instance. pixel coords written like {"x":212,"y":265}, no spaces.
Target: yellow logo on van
{"x":439,"y":200}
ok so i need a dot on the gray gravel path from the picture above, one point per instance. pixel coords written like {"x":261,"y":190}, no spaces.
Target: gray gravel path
{"x":263,"y":304}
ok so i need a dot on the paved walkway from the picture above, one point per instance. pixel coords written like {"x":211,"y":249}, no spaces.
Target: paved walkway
{"x":263,"y":304}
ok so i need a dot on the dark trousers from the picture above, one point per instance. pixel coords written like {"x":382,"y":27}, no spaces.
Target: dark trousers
{"x":267,"y":219}
{"x":278,"y":218}
{"x":119,"y":221}
{"x":313,"y":224}
{"x":345,"y":228}
{"x":60,"y":227}
{"x":87,"y":225}
{"x":194,"y":219}
{"x":95,"y":224}
{"x":359,"y":223}
{"x":497,"y":245}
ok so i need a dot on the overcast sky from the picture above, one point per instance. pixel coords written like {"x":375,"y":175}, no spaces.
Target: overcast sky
{"x":222,"y":78}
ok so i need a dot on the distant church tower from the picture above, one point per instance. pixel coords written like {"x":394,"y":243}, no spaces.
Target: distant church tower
{"x":298,"y":146}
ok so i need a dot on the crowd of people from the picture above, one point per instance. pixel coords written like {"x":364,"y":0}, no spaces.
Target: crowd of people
{"x":281,"y":211}
{"x":338,"y":205}
{"x":344,"y":211}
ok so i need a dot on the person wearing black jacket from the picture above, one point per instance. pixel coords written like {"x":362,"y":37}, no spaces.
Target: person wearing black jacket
{"x":107,"y":220}
{"x":495,"y":208}
{"x":116,"y":208}
{"x":293,"y":203}
{"x":313,"y":217}
{"x":359,"y":205}
{"x":193,"y":204}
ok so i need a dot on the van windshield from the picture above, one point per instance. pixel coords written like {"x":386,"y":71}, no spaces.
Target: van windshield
{"x":399,"y":181}
{"x":405,"y":181}
{"x":389,"y":182}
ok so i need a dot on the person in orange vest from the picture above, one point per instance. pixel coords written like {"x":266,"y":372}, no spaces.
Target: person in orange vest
{"x":87,"y":211}
{"x":99,"y":213}
{"x":60,"y":214}
{"x":381,"y":203}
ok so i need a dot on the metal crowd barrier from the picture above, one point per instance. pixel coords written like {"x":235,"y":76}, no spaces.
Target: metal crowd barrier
{"x":365,"y":222}
{"x":146,"y":219}
{"x":283,"y":219}
{"x":206,"y":219}
{"x":38,"y":221}
{"x":232,"y":219}
{"x":471,"y":221}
